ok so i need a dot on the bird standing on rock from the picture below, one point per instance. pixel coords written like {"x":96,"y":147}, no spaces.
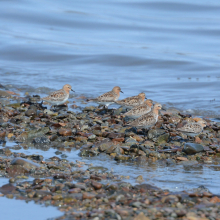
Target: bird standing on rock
{"x":193,"y":129}
{"x":140,"y":110}
{"x":108,"y":98}
{"x":147,"y":120}
{"x":59,"y":97}
{"x":132,"y":101}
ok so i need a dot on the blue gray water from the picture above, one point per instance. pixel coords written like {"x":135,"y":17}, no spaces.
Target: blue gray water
{"x":168,"y":49}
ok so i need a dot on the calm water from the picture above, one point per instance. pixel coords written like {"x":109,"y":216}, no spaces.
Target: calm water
{"x":168,"y":49}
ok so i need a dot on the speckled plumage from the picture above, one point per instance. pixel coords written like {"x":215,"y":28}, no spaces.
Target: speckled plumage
{"x":193,"y":128}
{"x":140,"y":110}
{"x":108,"y":98}
{"x":133,"y":101}
{"x":147,"y":120}
{"x":58,"y":97}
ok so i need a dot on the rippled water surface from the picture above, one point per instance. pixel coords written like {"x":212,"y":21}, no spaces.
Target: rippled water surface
{"x":168,"y":49}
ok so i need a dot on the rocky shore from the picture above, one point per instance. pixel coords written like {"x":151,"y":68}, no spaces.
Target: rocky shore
{"x":87,"y":192}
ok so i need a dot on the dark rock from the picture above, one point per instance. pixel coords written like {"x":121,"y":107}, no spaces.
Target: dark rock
{"x":27,"y":164}
{"x":191,"y":148}
{"x":37,"y":132}
{"x":7,"y":189}
{"x":41,"y":140}
{"x":146,"y":187}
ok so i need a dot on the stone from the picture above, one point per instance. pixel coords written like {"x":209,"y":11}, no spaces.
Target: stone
{"x":163,"y":138}
{"x":27,"y":164}
{"x":37,"y":132}
{"x":96,"y":185}
{"x":65,"y":132}
{"x":87,"y":195}
{"x":141,"y":216}
{"x":191,"y":148}
{"x":4,"y":94}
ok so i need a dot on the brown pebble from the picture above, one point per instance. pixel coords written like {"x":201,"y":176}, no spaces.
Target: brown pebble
{"x":65,"y":132}
{"x":87,"y":195}
{"x":182,"y":158}
{"x":2,"y":134}
{"x":96,"y":185}
{"x":75,"y":190}
{"x":94,"y":177}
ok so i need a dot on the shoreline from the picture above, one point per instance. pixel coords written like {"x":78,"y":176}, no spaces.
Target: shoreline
{"x":80,"y":193}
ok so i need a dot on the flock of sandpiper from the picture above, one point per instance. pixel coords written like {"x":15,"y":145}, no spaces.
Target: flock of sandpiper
{"x":144,"y":113}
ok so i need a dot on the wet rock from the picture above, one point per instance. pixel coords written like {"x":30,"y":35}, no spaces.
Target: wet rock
{"x":6,"y":151}
{"x":89,"y":108}
{"x":37,"y":132}
{"x":65,"y":132}
{"x":96,"y":185}
{"x":2,"y":134}
{"x":122,"y":157}
{"x":146,"y":187}
{"x":16,"y":170}
{"x":130,"y":141}
{"x":104,"y":146}
{"x":31,"y":113}
{"x":4,"y":94}
{"x":103,"y":169}
{"x":115,"y":135}
{"x":154,"y":133}
{"x":75,"y":190}
{"x":7,"y":188}
{"x":87,"y":195}
{"x":111,"y":149}
{"x":27,"y":164}
{"x":191,"y":148}
{"x":41,"y":140}
{"x":163,"y":138}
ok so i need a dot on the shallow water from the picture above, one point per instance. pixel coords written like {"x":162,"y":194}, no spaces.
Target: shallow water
{"x":174,"y":178}
{"x":26,"y":211}
{"x":168,"y":49}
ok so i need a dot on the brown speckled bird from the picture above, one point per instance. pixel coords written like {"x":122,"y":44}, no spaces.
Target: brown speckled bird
{"x":108,"y":98}
{"x":140,"y":110}
{"x":133,"y":101}
{"x":193,"y":128}
{"x":148,"y":120}
{"x":59,"y":97}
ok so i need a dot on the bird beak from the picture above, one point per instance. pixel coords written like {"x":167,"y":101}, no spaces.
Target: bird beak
{"x":72,"y":90}
{"x":121,"y":91}
{"x":145,"y":97}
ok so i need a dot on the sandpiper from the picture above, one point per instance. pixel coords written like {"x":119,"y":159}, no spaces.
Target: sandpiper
{"x":59,"y":97}
{"x":147,"y":120}
{"x":108,"y":98}
{"x":140,"y":110}
{"x":193,"y":129}
{"x":132,"y":101}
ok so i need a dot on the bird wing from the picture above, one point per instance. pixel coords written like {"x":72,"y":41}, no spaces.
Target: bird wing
{"x":137,"y":110}
{"x":55,"y":96}
{"x":108,"y":96}
{"x":191,"y":128}
{"x":145,"y":120}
